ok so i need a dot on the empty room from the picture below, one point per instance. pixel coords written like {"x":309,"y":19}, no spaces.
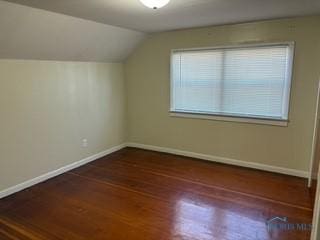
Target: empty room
{"x":159,"y":119}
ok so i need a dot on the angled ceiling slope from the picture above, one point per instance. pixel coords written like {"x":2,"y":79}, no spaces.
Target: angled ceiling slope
{"x":29,"y":33}
{"x":178,"y":13}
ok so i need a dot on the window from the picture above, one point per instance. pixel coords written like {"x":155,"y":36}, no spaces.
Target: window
{"x":250,"y":81}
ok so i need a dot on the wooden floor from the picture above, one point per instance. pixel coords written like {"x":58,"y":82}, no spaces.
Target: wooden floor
{"x":135,"y":194}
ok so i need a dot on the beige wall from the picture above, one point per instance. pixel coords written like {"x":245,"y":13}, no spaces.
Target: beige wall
{"x":47,"y":108}
{"x":147,"y":76}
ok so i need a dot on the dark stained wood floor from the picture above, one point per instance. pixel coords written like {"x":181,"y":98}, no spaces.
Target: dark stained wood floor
{"x":137,"y":194}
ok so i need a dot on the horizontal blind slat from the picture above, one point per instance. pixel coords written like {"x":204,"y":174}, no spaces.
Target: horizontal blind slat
{"x":244,"y":81}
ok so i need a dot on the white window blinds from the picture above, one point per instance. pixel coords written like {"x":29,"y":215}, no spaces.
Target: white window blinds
{"x":246,"y":81}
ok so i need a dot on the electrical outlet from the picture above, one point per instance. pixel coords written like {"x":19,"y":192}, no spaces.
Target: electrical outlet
{"x":84,"y":143}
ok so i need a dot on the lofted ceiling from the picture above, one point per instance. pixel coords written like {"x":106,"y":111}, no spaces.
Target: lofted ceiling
{"x":178,"y":13}
{"x":29,"y":33}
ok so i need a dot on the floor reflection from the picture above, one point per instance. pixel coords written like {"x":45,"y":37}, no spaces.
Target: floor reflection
{"x":196,"y":220}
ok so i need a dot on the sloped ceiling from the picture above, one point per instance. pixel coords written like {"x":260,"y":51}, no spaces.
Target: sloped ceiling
{"x":178,"y":13}
{"x":29,"y":33}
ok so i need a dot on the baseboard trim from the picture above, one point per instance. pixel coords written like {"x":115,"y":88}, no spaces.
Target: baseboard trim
{"x":224,"y":160}
{"x":57,"y":172}
{"x":44,"y":177}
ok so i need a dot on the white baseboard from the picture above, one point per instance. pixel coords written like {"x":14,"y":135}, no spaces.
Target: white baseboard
{"x":57,"y":172}
{"x":230,"y":161}
{"x":77,"y":164}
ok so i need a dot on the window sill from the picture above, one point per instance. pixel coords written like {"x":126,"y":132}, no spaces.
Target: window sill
{"x":282,"y":123}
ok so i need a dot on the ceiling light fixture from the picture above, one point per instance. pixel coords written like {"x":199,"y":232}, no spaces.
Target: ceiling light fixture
{"x":155,"y":4}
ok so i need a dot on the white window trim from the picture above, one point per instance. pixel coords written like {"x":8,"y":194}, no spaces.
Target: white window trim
{"x":224,"y":118}
{"x":235,"y":118}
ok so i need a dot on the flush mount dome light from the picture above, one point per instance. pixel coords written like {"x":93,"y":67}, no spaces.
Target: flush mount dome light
{"x":155,"y":4}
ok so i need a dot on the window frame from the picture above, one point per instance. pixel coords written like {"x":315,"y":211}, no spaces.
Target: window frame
{"x":236,"y":117}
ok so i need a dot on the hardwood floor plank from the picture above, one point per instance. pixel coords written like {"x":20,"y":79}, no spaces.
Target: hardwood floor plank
{"x":13,"y":228}
{"x":137,"y":194}
{"x":171,"y":189}
{"x":259,"y":183}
